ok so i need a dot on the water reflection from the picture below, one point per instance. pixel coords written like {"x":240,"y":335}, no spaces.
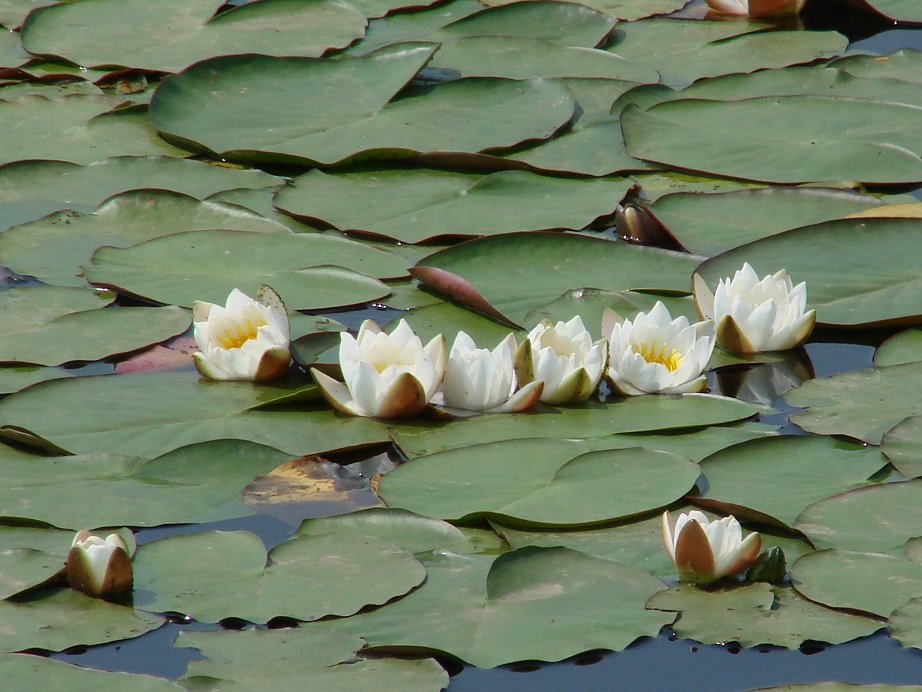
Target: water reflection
{"x":766,"y":383}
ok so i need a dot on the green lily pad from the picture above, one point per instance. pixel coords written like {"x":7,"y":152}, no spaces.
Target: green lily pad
{"x":631,"y":415}
{"x":30,"y":557}
{"x":710,"y":224}
{"x":489,"y":611}
{"x":879,"y":287}
{"x":30,"y":190}
{"x":413,"y":206}
{"x":854,"y":580}
{"x":628,"y":10}
{"x":906,"y":624}
{"x":12,"y":379}
{"x":589,"y":303}
{"x":9,"y":92}
{"x":878,"y":519}
{"x":449,"y":319}
{"x":24,"y":672}
{"x":34,"y":127}
{"x":793,"y":472}
{"x":902,"y":445}
{"x":13,"y":12}
{"x":685,"y":50}
{"x":656,"y":184}
{"x":902,"y":64}
{"x":517,"y":272}
{"x":220,"y":574}
{"x":380,"y":8}
{"x":82,"y":336}
{"x":539,"y":482}
{"x":240,"y":107}
{"x":757,"y":614}
{"x":159,"y":411}
{"x":290,"y":657}
{"x":905,"y":347}
{"x":65,"y":618}
{"x":198,"y":482}
{"x":309,"y":271}
{"x":172,"y":34}
{"x":781,"y":139}
{"x":863,"y":404}
{"x":895,"y":10}
{"x":410,"y":531}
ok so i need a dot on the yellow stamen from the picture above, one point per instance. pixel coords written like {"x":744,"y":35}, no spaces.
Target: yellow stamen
{"x":238,"y":333}
{"x":653,"y":353}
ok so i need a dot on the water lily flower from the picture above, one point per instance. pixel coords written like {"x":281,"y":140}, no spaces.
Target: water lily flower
{"x":100,"y":568}
{"x":752,"y":314}
{"x":704,"y":551}
{"x":386,"y":375}
{"x":655,"y":354}
{"x":244,"y":340}
{"x":565,"y":358}
{"x":757,"y":8}
{"x":477,"y":379}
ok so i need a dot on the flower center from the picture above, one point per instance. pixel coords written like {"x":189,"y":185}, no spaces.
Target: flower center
{"x":653,"y":353}
{"x":239,"y":332}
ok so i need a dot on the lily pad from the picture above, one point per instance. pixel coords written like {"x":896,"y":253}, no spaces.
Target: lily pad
{"x":895,"y":10}
{"x":781,"y":139}
{"x":902,"y":64}
{"x":30,"y":190}
{"x":410,"y":531}
{"x":517,"y":272}
{"x":309,"y":271}
{"x":685,"y":50}
{"x":198,"y":482}
{"x":159,"y":411}
{"x":12,"y":379}
{"x":853,"y":580}
{"x":878,"y":519}
{"x":757,"y":614}
{"x":903,"y":446}
{"x":34,"y":127}
{"x":863,"y":404}
{"x":631,"y":415}
{"x":793,"y":472}
{"x":906,"y":624}
{"x":30,"y":557}
{"x":905,"y":347}
{"x":539,"y":482}
{"x":65,"y":618}
{"x":413,"y":206}
{"x":24,"y":672}
{"x":628,"y":10}
{"x":289,"y":657}
{"x":710,"y":224}
{"x":488,"y":611}
{"x":172,"y":34}
{"x":879,"y":287}
{"x":240,"y":107}
{"x":216,"y":575}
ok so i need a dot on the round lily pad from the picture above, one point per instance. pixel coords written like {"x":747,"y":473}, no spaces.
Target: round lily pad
{"x":905,"y":347}
{"x":906,"y":624}
{"x":24,"y":672}
{"x":902,"y":445}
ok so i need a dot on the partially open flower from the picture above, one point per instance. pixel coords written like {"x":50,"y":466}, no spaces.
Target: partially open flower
{"x":752,"y":314}
{"x":757,"y":8}
{"x":565,"y":358}
{"x":100,"y":568}
{"x":386,"y":375}
{"x":244,"y":340}
{"x":477,"y":379}
{"x":704,"y":551}
{"x":655,"y":354}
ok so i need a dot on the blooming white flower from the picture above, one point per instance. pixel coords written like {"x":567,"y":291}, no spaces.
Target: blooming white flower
{"x":752,"y":314}
{"x":244,"y":340}
{"x":386,"y":375}
{"x":757,"y":8}
{"x":477,"y":379}
{"x":704,"y":551}
{"x":100,"y":568}
{"x":565,"y":358}
{"x":657,"y":354}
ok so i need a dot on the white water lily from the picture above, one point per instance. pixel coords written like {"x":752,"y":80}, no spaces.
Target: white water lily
{"x":245,"y":339}
{"x":757,"y":8}
{"x":477,"y":379}
{"x":565,"y":358}
{"x":753,"y":314}
{"x":704,"y":551}
{"x":386,"y":375}
{"x":655,"y":354}
{"x":100,"y":568}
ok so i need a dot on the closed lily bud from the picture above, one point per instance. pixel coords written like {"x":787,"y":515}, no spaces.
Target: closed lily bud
{"x":100,"y":568}
{"x":756,"y":8}
{"x":704,"y":551}
{"x":245,"y":339}
{"x":770,"y":566}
